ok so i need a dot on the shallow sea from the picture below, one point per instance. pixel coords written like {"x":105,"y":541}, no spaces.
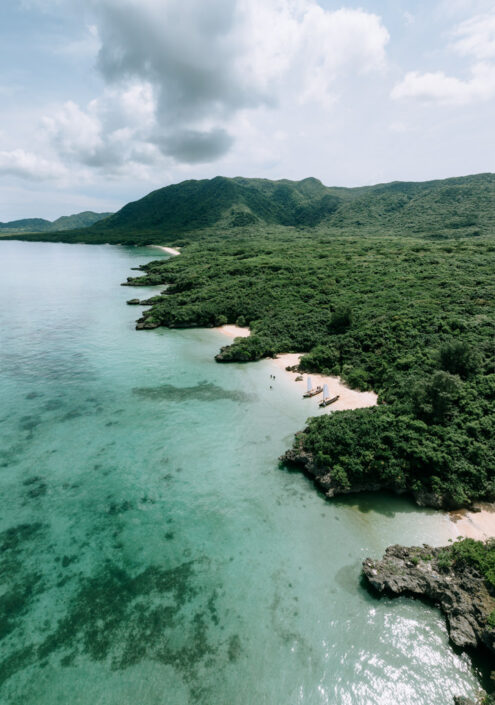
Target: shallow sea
{"x":152,"y":552}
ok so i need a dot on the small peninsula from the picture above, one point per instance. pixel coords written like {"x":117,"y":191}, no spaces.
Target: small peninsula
{"x":460,"y":578}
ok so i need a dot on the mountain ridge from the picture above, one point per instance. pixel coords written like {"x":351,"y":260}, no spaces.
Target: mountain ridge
{"x":192,"y":209}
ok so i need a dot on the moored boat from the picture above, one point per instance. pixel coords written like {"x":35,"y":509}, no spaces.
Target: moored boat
{"x":312,"y":391}
{"x":327,"y":399}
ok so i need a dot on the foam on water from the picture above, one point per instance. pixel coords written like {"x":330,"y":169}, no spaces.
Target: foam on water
{"x":152,"y":552}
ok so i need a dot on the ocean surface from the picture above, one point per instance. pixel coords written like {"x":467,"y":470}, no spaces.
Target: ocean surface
{"x":152,"y":551}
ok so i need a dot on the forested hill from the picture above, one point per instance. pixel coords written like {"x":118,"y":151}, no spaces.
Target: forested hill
{"x":195,"y":210}
{"x":40,"y":225}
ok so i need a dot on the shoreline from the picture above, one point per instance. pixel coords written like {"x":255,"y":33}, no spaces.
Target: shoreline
{"x":478,"y":525}
{"x":168,"y":250}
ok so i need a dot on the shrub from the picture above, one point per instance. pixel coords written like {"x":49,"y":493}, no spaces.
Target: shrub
{"x":459,"y":358}
{"x":341,"y":319}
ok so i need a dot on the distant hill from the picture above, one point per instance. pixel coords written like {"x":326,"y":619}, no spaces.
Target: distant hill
{"x":221,"y":202}
{"x":39,"y":225}
{"x":192,"y":210}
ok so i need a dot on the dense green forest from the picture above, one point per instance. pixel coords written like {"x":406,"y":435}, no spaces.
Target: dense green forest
{"x":40,"y":225}
{"x":197,"y":210}
{"x":411,"y":318}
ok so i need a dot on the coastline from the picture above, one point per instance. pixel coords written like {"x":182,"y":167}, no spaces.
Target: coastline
{"x":478,"y":525}
{"x":463,"y":523}
{"x":168,"y":250}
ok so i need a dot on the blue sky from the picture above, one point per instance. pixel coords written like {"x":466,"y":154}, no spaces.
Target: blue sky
{"x":106,"y":100}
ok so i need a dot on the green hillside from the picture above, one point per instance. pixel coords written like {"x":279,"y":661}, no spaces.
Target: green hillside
{"x":39,"y":225}
{"x":193,"y":210}
{"x":188,"y":209}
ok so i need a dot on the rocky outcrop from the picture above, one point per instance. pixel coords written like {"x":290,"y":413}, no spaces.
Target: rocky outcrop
{"x":147,"y":324}
{"x":133,"y":302}
{"x":460,"y":591}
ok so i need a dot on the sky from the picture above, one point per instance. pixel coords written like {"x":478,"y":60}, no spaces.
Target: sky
{"x":103,"y":101}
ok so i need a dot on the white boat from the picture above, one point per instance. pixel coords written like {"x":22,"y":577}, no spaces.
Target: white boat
{"x":326,"y":397}
{"x":312,"y":391}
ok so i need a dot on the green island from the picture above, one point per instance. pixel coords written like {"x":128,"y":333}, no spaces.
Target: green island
{"x":389,"y":287}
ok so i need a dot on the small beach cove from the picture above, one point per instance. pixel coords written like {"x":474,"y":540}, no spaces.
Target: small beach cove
{"x":477,"y":524}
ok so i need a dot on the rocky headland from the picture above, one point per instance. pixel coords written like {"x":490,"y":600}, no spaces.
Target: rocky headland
{"x":446,"y":578}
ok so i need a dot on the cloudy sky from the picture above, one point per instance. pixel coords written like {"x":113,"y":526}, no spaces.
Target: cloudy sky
{"x":104,"y":100}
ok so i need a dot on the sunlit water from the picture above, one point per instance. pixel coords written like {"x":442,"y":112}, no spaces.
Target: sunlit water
{"x":152,"y":551}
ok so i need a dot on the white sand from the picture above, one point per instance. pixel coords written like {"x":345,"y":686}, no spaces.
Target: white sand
{"x":474,"y":525}
{"x":169,"y":250}
{"x":234,"y":331}
{"x":348,"y":398}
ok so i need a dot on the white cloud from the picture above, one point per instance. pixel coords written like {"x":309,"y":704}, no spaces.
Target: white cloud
{"x":27,"y":165}
{"x":178,"y":72}
{"x":476,"y":37}
{"x":473,"y":38}
{"x":439,"y":88}
{"x":75,"y":132}
{"x":112,"y":131}
{"x":206,"y":62}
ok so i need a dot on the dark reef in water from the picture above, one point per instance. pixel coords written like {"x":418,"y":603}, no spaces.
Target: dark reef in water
{"x":204,"y":391}
{"x":158,"y":614}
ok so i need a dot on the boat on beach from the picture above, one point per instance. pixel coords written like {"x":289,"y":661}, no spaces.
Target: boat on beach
{"x":327,"y":399}
{"x":312,"y":391}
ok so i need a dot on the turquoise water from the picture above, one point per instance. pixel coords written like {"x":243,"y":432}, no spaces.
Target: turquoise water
{"x":152,"y":552}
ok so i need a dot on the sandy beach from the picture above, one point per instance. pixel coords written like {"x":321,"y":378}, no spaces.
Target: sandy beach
{"x":169,"y":250}
{"x":232,"y":331}
{"x":348,"y":398}
{"x":474,"y":525}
